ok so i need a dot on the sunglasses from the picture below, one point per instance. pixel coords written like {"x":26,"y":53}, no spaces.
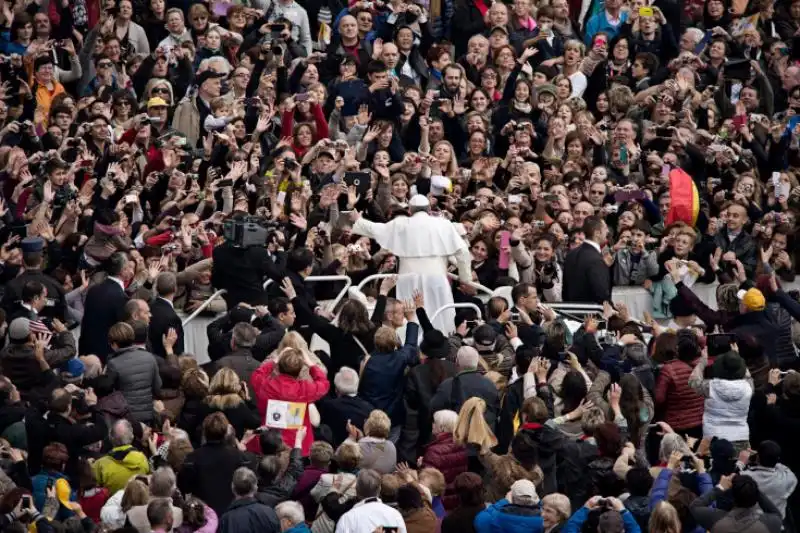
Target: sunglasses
{"x":160,"y":90}
{"x":104,"y":64}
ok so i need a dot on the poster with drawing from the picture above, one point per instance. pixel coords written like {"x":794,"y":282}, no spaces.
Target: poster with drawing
{"x":285,"y":415}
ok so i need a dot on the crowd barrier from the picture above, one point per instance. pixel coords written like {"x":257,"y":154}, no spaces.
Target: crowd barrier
{"x":637,"y":300}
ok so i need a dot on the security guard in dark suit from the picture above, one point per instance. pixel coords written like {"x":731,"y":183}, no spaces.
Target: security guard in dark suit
{"x":32,"y":260}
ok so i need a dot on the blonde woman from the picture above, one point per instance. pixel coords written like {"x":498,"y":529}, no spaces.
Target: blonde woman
{"x":348,"y":458}
{"x":229,"y":395}
{"x":574,"y":50}
{"x":114,"y":512}
{"x":664,"y":519}
{"x":377,"y":451}
{"x":445,"y":157}
{"x":556,"y":510}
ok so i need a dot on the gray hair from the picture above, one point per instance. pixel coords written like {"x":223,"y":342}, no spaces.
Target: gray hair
{"x":346,"y":381}
{"x":158,"y":512}
{"x":291,"y":511}
{"x":166,"y":284}
{"x":244,"y":482}
{"x":672,"y":442}
{"x":121,"y":433}
{"x":244,"y":335}
{"x":695,"y":33}
{"x":163,"y":483}
{"x":467,"y":358}
{"x":444,"y":421}
{"x":368,"y":484}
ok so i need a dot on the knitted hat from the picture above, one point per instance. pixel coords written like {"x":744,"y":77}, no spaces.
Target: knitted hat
{"x":753,"y":299}
{"x":324,"y":15}
{"x":19,"y":330}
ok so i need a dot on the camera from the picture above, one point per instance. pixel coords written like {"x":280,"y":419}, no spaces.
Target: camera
{"x":291,"y":164}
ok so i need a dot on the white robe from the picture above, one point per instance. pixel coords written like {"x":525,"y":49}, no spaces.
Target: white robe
{"x":423,"y":244}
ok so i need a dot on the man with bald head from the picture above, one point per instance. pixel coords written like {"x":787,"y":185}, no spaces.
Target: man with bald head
{"x":580,"y":212}
{"x":137,"y":310}
{"x":348,"y":45}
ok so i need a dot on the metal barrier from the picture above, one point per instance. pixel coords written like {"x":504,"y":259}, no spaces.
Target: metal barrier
{"x":203,"y":306}
{"x":457,"y":306}
{"x":578,"y":309}
{"x":480,"y":288}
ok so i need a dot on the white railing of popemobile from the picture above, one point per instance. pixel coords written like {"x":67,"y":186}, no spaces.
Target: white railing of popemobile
{"x":466,"y":305}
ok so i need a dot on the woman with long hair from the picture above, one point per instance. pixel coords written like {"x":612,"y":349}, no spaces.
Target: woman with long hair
{"x":422,"y":382}
{"x":682,"y":406}
{"x":468,"y":488}
{"x":350,"y":341}
{"x":664,"y":519}
{"x":634,"y":402}
{"x":229,"y":395}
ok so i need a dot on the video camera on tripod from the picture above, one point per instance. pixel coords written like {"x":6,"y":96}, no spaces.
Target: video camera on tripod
{"x":246,"y":231}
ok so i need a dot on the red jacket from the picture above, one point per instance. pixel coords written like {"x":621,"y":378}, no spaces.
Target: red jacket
{"x":269,"y":386}
{"x":683,"y":407}
{"x":450,"y":459}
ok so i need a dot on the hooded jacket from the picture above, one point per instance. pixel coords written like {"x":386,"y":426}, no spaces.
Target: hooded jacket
{"x":506,"y":517}
{"x":115,"y":469}
{"x":776,"y":483}
{"x":726,"y":408}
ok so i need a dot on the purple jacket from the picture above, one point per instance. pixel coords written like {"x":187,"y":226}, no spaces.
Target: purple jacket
{"x":302,"y":491}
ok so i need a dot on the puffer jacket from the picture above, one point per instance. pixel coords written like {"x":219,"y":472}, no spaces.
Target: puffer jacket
{"x":450,"y":459}
{"x":137,"y":378}
{"x":505,"y":517}
{"x":113,"y":471}
{"x":785,"y":352}
{"x":726,"y":409}
{"x":683,"y":406}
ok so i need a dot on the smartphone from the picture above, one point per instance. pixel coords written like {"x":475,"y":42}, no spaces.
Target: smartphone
{"x":301,"y":97}
{"x":131,"y":199}
{"x":664,"y":132}
{"x":514,"y":199}
{"x":87,"y":163}
{"x":645,"y":11}
{"x":389,"y":529}
{"x":702,"y":44}
{"x":505,"y":253}
{"x":26,"y":501}
{"x":739,"y":121}
{"x":623,"y":155}
{"x":225,"y":183}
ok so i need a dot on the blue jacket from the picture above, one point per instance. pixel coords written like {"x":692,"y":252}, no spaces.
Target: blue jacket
{"x":575,"y":523}
{"x":661,"y":485}
{"x":505,"y":517}
{"x":383,"y":379}
{"x":599,"y":22}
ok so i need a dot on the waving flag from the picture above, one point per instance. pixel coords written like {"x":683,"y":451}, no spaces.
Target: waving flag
{"x":684,"y":199}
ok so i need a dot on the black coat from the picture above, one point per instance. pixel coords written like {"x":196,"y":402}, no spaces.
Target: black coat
{"x":759,"y":326}
{"x":248,"y":515}
{"x":163,"y":318}
{"x":587,"y":278}
{"x":453,"y":392}
{"x":104,"y":307}
{"x":207,"y":474}
{"x":335,"y":412}
{"x":242,"y":417}
{"x":420,"y":390}
{"x":241,"y":272}
{"x":55,"y":428}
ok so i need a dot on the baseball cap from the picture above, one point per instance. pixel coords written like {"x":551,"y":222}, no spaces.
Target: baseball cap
{"x":485,"y":337}
{"x":523,"y":492}
{"x":753,"y":299}
{"x":156,"y":102}
{"x":499,"y":28}
{"x":546,"y":88}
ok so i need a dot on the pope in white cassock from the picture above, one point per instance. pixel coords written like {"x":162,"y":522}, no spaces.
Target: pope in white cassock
{"x":423,"y":245}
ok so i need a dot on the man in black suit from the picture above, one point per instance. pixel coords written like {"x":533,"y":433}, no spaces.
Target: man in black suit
{"x":163,"y":315}
{"x":32,"y":260}
{"x":335,"y":411}
{"x":104,"y":307}
{"x":587,"y":277}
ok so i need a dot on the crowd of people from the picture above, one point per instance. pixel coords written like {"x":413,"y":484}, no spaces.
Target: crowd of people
{"x":157,"y":153}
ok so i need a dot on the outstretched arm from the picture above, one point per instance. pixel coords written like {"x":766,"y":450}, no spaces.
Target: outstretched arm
{"x":366,"y":228}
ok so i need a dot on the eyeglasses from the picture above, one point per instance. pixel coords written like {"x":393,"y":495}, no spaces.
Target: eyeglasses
{"x":124,"y":102}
